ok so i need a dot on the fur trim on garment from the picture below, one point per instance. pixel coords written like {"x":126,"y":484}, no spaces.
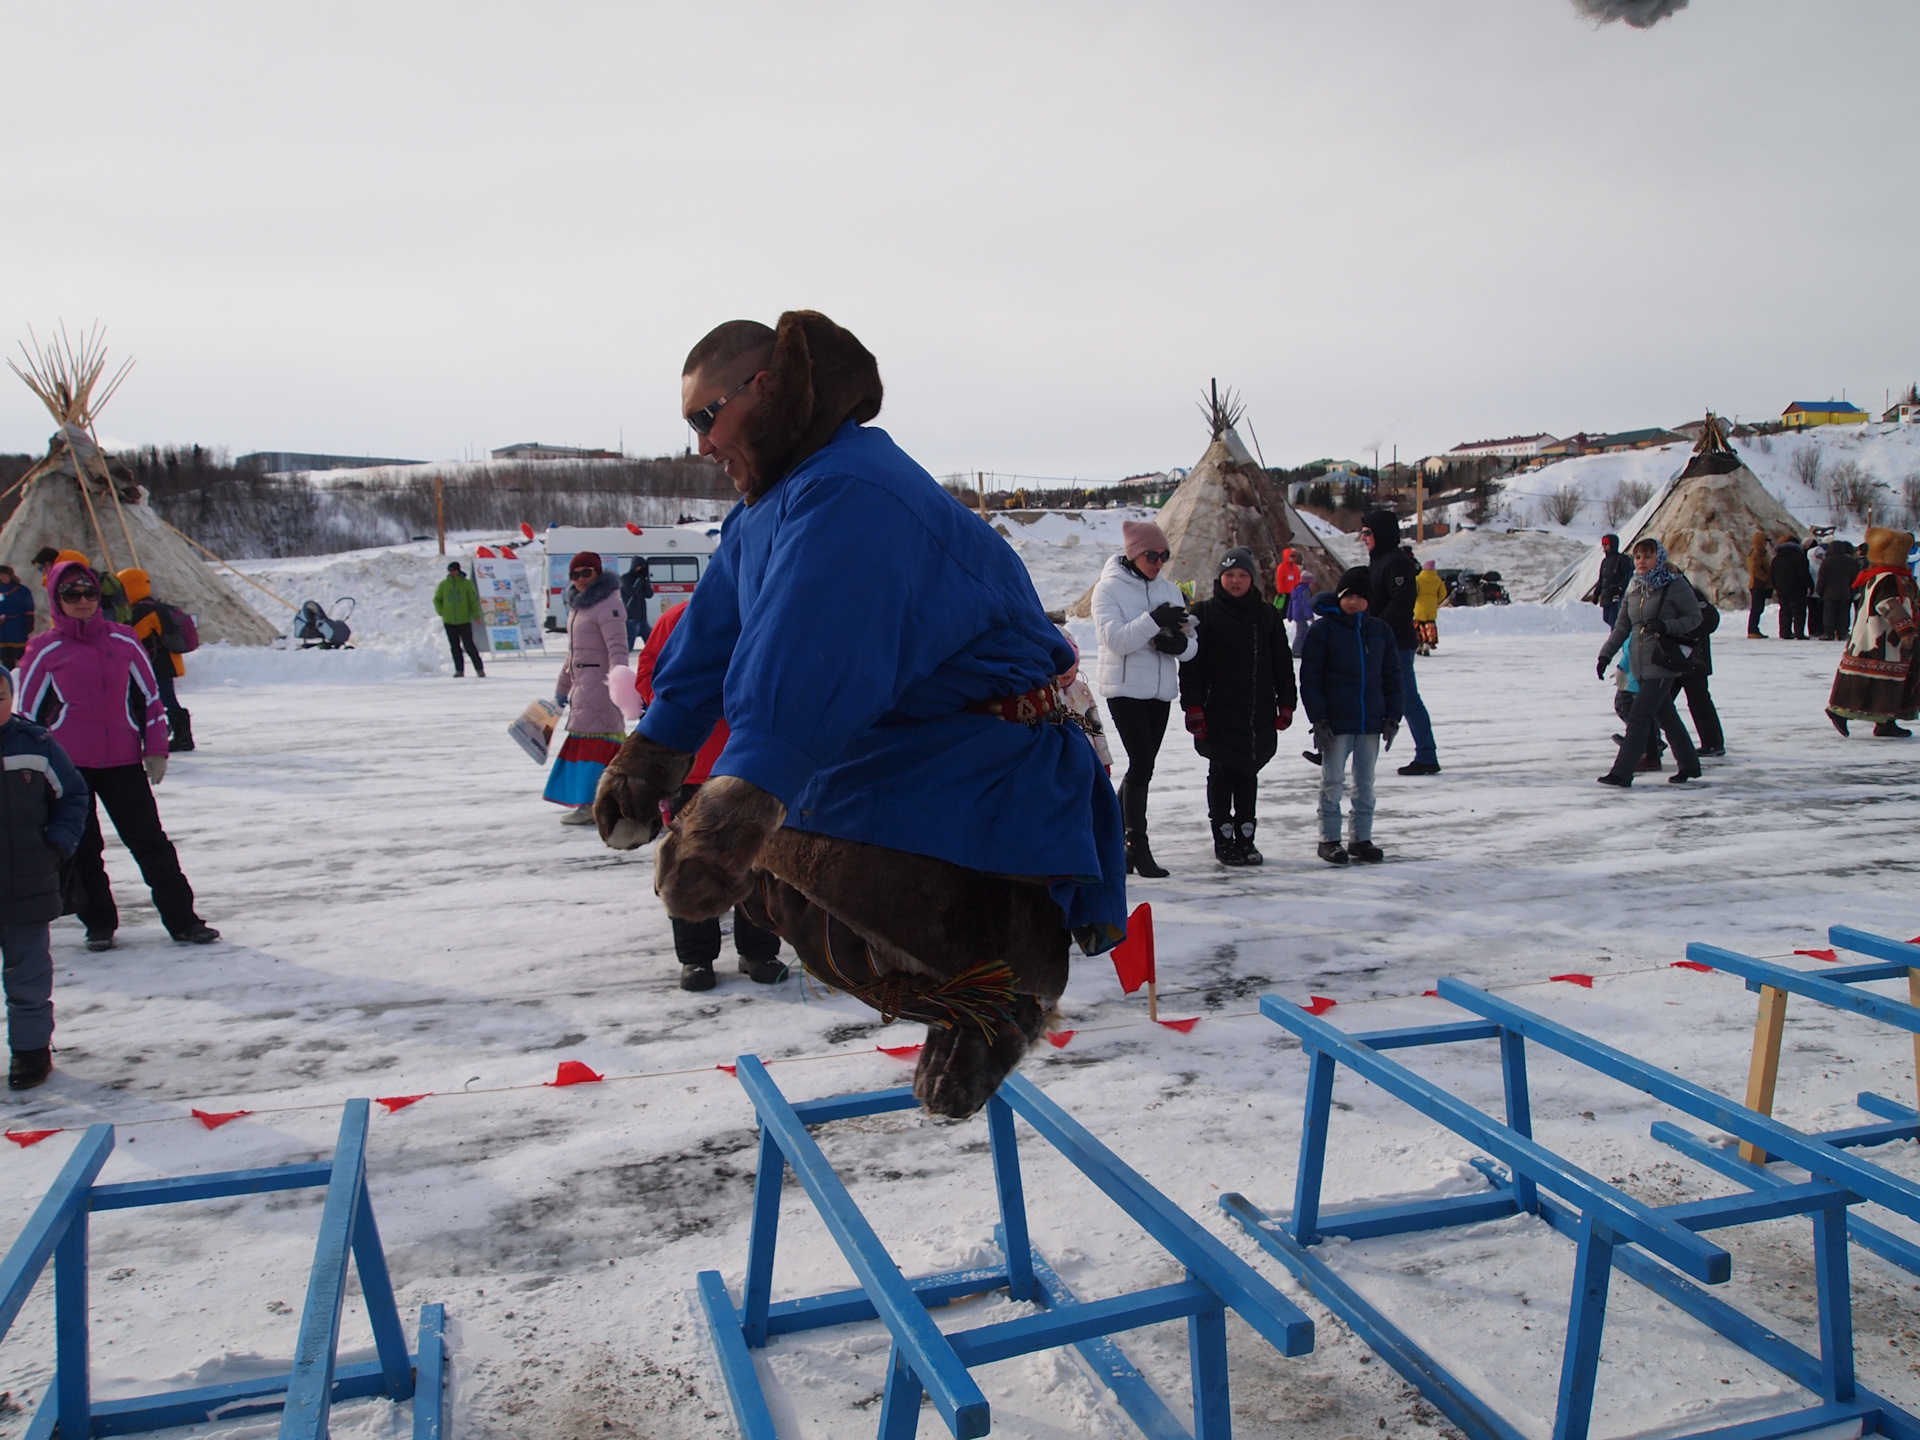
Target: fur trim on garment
{"x":637,"y":782}
{"x":1888,"y":547}
{"x":819,"y":377}
{"x":705,"y":865}
{"x":603,"y":585}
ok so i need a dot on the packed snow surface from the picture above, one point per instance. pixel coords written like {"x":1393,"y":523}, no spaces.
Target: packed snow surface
{"x":403,"y":915}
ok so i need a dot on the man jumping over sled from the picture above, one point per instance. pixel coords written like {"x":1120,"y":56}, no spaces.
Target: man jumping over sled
{"x":902,"y":797}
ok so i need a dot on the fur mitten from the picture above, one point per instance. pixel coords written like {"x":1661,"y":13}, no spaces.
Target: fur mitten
{"x":960,"y":1067}
{"x":634,"y":788}
{"x":705,"y":865}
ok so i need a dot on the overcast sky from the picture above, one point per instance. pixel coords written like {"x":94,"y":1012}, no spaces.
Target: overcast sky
{"x":426,"y":230}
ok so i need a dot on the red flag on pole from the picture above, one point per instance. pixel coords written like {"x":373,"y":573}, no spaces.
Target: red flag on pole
{"x":1133,"y":956}
{"x":571,"y":1072}
{"x":214,"y":1119}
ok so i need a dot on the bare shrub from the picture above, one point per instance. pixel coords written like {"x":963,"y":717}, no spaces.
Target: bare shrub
{"x":1852,"y":489}
{"x":1564,"y":505}
{"x":1806,"y":465}
{"x":1483,"y":497}
{"x":1910,"y":500}
{"x":1627,"y":497}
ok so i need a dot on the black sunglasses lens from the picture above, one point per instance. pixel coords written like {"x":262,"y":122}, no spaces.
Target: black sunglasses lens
{"x":79,"y":592}
{"x":702,"y":420}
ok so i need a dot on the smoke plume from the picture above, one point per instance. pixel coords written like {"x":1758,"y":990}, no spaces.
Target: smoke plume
{"x":1640,"y":14}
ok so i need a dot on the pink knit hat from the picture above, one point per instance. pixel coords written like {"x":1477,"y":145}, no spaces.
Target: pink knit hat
{"x":1142,"y":536}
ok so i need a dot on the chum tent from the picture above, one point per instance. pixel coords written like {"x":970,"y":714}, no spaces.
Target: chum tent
{"x":80,"y":498}
{"x":1706,"y":516}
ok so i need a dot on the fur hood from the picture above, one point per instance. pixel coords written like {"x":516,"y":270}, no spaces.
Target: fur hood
{"x":603,"y":585}
{"x":1889,"y":547}
{"x":819,"y":378}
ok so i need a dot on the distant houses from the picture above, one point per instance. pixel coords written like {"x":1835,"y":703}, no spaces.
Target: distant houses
{"x":284,"y":462}
{"x":534,"y":450}
{"x":1514,"y":447}
{"x":1804,"y":414}
{"x":1905,"y":410}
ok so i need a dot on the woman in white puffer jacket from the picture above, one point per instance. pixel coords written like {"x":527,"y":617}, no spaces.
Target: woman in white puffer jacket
{"x":1144,"y":631}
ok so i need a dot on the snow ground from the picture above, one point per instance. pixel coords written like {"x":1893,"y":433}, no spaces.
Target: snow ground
{"x":403,"y":914}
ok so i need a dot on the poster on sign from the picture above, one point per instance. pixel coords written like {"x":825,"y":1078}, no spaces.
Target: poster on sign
{"x":506,"y":604}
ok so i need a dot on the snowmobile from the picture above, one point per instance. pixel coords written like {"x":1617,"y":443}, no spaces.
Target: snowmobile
{"x":315,"y":629}
{"x":1473,"y":587}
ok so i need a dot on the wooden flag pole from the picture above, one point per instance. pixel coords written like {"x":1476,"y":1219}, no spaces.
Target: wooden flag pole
{"x":439,"y":515}
{"x":1153,"y":1001}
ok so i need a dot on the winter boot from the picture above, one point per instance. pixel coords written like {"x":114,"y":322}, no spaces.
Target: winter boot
{"x":1249,"y":855}
{"x":1226,"y":844}
{"x":1366,"y":852}
{"x":579,"y":815}
{"x":697,"y":977}
{"x":763,"y":972}
{"x":197,"y":933}
{"x":99,"y":939}
{"x":1140,"y":858}
{"x":1421,"y":767}
{"x":1892,"y":730}
{"x":1839,"y":722}
{"x":29,"y":1068}
{"x":179,"y":730}
{"x":1332,"y":852}
{"x":479,"y":669}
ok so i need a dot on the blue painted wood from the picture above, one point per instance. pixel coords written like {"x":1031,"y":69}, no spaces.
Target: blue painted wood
{"x":72,"y":1383}
{"x":1417,"y":1035}
{"x":750,"y":1410}
{"x":849,"y":1107}
{"x":1796,"y":1422}
{"x":1239,"y":1286}
{"x":1835,"y":1166}
{"x":138,"y":1414}
{"x":763,"y":1237}
{"x":1890,"y":1109}
{"x":900,"y":1400}
{"x":1834,"y":1286}
{"x":1725,"y":1210}
{"x":1207,"y":1363}
{"x":1881,"y":947}
{"x":1419,"y":1215}
{"x":430,"y":1375}
{"x":1420,"y":1370}
{"x":1813,"y":984}
{"x":1586,"y":1322}
{"x":65,"y":1198}
{"x":310,"y":1393}
{"x":376,"y":1289}
{"x":1519,"y":1106}
{"x":924,"y":1352}
{"x":843,"y":1307}
{"x":1064,"y":1325}
{"x":208,"y":1187}
{"x":1112,"y":1368}
{"x":1014,"y":1243}
{"x":1619,"y":1211}
{"x":1314,"y":1125}
{"x":1855,"y":1137}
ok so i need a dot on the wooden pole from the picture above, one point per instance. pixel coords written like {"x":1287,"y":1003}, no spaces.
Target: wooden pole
{"x":218,"y":561}
{"x":1153,"y":1002}
{"x":439,"y":514}
{"x":1764,"y":1072}
{"x":1420,"y":504}
{"x":980,"y":487}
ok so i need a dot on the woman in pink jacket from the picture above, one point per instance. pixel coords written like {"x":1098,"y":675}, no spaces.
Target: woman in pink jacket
{"x":596,"y":642}
{"x":88,"y":681}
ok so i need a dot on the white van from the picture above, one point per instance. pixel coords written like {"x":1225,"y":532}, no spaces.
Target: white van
{"x":676,"y":555}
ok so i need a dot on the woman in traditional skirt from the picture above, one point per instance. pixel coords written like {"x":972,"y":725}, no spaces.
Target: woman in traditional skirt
{"x":1878,"y":679}
{"x":596,"y":642}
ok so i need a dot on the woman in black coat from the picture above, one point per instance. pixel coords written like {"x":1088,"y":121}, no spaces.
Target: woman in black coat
{"x":1237,"y":692}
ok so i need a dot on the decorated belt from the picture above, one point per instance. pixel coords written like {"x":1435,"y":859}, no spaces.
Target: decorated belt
{"x":1036,"y":707}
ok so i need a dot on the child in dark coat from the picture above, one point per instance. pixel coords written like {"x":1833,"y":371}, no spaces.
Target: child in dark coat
{"x":1237,"y":692}
{"x":43,"y":811}
{"x":1350,"y":683}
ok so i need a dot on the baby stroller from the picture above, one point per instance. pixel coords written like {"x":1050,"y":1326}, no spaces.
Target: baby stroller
{"x":315,"y":629}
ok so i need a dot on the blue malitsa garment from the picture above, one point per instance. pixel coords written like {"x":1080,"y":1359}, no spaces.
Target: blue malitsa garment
{"x":847,"y":620}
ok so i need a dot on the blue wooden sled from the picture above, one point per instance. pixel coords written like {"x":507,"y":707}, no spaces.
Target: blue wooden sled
{"x":58,"y":1230}
{"x":1834,"y":987}
{"x":924,"y":1359}
{"x":1659,"y":1246}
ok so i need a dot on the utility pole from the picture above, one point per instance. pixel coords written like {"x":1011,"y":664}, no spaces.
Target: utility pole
{"x":439,"y":514}
{"x":1420,"y":504}
{"x":980,"y":487}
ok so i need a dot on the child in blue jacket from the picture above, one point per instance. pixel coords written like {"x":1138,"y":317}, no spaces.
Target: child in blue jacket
{"x":43,"y":811}
{"x":1350,"y":685}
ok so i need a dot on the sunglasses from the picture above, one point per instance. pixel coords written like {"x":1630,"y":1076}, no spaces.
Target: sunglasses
{"x":581,"y":574}
{"x":701,"y":420}
{"x":79,"y":592}
{"x":1159,"y":557}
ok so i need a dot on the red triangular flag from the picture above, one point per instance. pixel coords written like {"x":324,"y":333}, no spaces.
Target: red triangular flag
{"x":1691,"y":965}
{"x":214,"y":1120}
{"x":400,"y":1102}
{"x":24,"y":1138}
{"x":506,"y":553}
{"x":1059,"y":1038}
{"x":526,"y":530}
{"x":1133,"y":956}
{"x":1434,"y":993}
{"x":571,"y":1072}
{"x":1914,"y":941}
{"x":1818,"y":954}
{"x":633,"y":529}
{"x":899,"y":1052}
{"x":733,"y":1070}
{"x":483,"y":552}
{"x":1183,"y":1026}
{"x":1318,"y":1005}
{"x":1585,"y":982}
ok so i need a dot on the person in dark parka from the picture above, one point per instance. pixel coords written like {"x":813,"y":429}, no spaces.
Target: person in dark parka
{"x":1615,"y":571}
{"x":1350,"y":684}
{"x":1238,"y":693}
{"x":1835,"y":587}
{"x":1658,"y":602}
{"x":1394,"y":577}
{"x":43,"y":811}
{"x":1792,"y":584}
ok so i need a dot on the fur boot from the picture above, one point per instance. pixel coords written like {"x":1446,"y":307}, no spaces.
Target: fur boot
{"x":634,"y":788}
{"x":705,"y":865}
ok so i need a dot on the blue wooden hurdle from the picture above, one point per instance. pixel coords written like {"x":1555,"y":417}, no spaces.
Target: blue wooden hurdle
{"x":1834,"y":987}
{"x":1659,"y":1246}
{"x":924,"y":1359}
{"x":58,"y":1230}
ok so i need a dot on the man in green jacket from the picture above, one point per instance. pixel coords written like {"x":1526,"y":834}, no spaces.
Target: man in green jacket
{"x":457,"y":602}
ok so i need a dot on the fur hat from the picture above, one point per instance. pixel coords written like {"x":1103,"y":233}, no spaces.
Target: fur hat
{"x":818,"y":378}
{"x":1141,"y":536}
{"x":1888,"y":547}
{"x":1385,"y":526}
{"x":1357,"y":581}
{"x":1239,"y":558}
{"x":585,"y":560}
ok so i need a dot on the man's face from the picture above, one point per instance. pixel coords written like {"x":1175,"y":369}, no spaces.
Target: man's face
{"x":1366,"y":538}
{"x":723,"y":444}
{"x":6,"y":702}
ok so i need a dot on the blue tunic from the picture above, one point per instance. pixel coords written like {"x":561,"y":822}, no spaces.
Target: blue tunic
{"x":844,"y":624}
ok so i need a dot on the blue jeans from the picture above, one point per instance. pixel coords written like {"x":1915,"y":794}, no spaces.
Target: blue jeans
{"x":1414,"y":709}
{"x":1365,"y":750}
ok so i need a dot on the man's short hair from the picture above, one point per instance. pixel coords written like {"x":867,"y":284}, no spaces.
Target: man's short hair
{"x":8,"y":570}
{"x":1646,"y":545}
{"x":46,"y":556}
{"x":727,"y":350}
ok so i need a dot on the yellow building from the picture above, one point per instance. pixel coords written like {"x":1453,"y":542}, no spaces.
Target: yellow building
{"x":1804,"y":413}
